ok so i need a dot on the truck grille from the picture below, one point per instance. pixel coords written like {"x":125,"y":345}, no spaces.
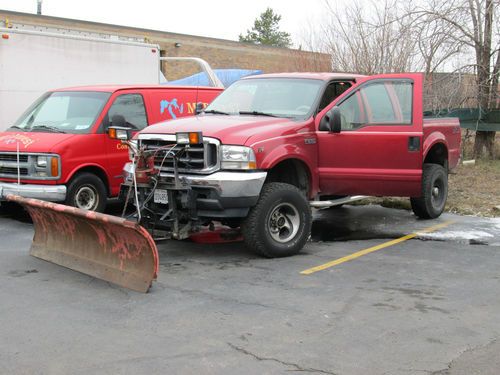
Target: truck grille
{"x":13,"y":157}
{"x":200,"y":158}
{"x":13,"y":171}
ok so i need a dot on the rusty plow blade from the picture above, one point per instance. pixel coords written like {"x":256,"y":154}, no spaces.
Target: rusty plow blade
{"x":104,"y":246}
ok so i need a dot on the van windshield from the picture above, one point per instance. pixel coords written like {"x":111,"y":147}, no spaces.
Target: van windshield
{"x":278,"y":97}
{"x":63,"y":112}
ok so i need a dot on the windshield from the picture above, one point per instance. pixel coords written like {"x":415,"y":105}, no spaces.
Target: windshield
{"x":63,"y":112}
{"x":280,"y":97}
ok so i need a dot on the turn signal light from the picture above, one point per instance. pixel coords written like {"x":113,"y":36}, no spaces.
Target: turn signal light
{"x":112,"y":133}
{"x":194,"y":138}
{"x":54,"y":167}
{"x":5,"y":36}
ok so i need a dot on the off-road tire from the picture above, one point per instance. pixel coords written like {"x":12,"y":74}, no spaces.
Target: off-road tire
{"x":278,"y":201}
{"x":87,"y":191}
{"x":434,"y":192}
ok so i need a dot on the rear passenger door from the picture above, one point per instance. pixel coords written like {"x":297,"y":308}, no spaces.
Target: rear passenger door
{"x":131,"y":106}
{"x":379,"y":149}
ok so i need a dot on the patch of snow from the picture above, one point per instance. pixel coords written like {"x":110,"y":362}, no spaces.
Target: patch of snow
{"x":456,"y":235}
{"x":496,"y":222}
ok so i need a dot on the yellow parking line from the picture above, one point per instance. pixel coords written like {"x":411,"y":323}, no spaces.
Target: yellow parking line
{"x":374,"y":248}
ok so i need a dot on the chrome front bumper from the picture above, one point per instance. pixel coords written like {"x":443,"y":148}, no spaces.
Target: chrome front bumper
{"x":53,"y":193}
{"x":226,"y":184}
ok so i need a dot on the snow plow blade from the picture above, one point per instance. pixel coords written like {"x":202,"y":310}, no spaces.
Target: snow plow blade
{"x":103,"y":246}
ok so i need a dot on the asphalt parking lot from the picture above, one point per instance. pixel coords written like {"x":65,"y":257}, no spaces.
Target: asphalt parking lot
{"x":427,"y":304}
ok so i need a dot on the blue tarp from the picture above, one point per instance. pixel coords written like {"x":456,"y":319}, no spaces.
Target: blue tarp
{"x":227,"y":77}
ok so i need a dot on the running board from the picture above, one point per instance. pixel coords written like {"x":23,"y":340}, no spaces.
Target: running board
{"x":336,"y":202}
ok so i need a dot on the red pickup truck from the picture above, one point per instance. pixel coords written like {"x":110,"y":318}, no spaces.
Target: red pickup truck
{"x":271,"y":146}
{"x":59,"y":149}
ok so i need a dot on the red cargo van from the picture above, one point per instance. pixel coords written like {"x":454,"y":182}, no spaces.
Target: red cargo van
{"x":59,"y":150}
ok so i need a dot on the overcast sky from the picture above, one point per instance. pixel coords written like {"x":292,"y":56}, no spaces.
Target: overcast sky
{"x":224,"y":19}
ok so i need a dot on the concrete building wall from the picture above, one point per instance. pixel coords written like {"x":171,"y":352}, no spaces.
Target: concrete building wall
{"x":218,"y":53}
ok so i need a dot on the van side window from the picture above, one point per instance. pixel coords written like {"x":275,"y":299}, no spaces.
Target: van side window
{"x":131,"y":107}
{"x":378,"y":103}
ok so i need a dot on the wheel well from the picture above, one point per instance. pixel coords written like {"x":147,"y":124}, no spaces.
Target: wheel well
{"x":96,"y":171}
{"x":438,"y":154}
{"x":293,"y":172}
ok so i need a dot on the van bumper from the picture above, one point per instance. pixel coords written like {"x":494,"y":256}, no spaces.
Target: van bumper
{"x":52,"y":193}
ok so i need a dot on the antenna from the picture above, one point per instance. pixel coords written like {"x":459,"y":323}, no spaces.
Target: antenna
{"x":18,"y":166}
{"x":196,"y":100}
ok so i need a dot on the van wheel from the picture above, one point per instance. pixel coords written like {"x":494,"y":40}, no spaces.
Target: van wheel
{"x":434,"y":192}
{"x":280,"y":224}
{"x":87,"y":191}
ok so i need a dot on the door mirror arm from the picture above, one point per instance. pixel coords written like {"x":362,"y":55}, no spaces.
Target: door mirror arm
{"x":324,"y":124}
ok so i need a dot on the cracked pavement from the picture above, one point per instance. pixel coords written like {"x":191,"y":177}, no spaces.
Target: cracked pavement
{"x":425,"y":306}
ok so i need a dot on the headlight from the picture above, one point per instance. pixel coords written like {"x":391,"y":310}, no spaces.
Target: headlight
{"x":237,"y":157}
{"x":41,"y":161}
{"x":191,"y":138}
{"x":46,"y":166}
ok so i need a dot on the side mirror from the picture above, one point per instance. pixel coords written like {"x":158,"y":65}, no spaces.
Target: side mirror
{"x":199,"y":108}
{"x":335,"y":120}
{"x":331,"y":121}
{"x":119,"y":121}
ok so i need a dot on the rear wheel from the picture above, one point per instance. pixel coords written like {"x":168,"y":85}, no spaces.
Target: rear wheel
{"x":434,"y":192}
{"x":280,"y":223}
{"x":87,"y":191}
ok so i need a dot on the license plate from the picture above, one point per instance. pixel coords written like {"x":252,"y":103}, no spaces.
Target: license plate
{"x":160,"y":196}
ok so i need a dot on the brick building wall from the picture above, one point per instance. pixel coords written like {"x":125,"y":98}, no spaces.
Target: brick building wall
{"x":218,"y":53}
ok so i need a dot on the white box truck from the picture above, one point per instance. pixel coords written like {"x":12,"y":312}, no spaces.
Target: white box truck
{"x":35,"y":59}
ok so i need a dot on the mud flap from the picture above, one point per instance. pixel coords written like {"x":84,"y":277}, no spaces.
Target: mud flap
{"x":104,"y":246}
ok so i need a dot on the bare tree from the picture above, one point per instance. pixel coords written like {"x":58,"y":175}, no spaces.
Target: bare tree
{"x":302,"y":61}
{"x":370,"y":39}
{"x":471,"y":24}
{"x":432,"y":36}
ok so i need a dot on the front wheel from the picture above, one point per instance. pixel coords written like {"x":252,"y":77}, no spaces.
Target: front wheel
{"x":280,"y":223}
{"x":434,"y":192}
{"x":87,"y":191}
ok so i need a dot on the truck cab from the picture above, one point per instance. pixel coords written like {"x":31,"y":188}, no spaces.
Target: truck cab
{"x":59,"y":150}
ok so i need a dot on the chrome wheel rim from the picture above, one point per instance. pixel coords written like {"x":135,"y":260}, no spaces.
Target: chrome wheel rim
{"x":86,"y":198}
{"x":283,"y":222}
{"x":437,"y":193}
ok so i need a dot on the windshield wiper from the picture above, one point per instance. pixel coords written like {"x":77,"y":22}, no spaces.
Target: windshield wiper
{"x":16,"y":127}
{"x":47,"y":127}
{"x":257,"y":113}
{"x":216,"y":112}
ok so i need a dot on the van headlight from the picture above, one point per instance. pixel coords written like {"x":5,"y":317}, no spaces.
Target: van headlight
{"x":237,"y":157}
{"x":41,"y":161}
